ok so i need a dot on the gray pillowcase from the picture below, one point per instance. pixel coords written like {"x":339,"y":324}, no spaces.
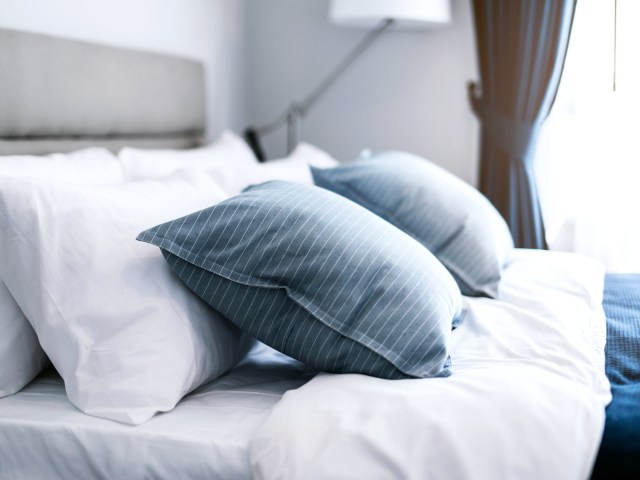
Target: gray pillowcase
{"x":318,"y":278}
{"x":448,"y":216}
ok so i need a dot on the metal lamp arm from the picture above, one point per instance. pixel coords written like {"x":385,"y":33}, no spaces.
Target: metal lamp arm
{"x":359,"y":49}
{"x":297,"y":110}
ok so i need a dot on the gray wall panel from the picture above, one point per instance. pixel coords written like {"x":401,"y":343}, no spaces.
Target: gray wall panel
{"x":52,"y":87}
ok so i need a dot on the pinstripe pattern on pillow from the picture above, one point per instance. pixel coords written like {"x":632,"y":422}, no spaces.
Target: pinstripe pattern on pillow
{"x":319,"y":278}
{"x":449,"y":217}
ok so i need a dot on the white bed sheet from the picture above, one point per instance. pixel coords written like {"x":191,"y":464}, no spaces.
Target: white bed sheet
{"x":525,"y":401}
{"x":43,"y":436}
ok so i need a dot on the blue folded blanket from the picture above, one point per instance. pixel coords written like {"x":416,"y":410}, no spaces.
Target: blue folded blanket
{"x":620,"y":449}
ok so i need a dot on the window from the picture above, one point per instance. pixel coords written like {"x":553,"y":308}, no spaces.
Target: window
{"x":588,"y":156}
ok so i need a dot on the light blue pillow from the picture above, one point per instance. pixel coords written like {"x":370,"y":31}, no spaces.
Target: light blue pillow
{"x":448,"y":216}
{"x":318,"y":278}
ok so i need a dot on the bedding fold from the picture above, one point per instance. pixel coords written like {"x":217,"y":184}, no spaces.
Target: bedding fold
{"x":525,"y":400}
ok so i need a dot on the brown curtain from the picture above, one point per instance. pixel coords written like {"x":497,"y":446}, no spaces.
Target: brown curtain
{"x":521,"y":48}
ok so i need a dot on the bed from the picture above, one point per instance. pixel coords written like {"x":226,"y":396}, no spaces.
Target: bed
{"x":526,"y":399}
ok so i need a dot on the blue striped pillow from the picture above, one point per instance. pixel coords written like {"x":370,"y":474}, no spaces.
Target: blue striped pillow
{"x":448,"y":216}
{"x":318,"y":278}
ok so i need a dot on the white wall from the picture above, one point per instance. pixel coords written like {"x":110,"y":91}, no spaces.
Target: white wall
{"x":207,"y":30}
{"x":408,"y":92}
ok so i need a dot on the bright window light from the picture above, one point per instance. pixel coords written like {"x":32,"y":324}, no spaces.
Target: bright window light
{"x":588,"y":157}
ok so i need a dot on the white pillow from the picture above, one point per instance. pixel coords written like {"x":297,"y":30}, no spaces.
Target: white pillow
{"x":313,"y":156}
{"x":294,"y":168}
{"x":21,"y":357}
{"x":91,"y":166}
{"x":126,"y":335}
{"x":229,"y":149}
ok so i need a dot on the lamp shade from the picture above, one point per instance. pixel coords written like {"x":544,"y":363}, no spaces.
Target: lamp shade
{"x":411,"y":13}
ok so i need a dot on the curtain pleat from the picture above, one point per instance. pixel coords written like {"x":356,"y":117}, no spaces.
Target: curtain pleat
{"x":522,"y":45}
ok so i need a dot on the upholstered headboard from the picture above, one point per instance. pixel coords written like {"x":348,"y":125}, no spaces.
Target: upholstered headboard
{"x":58,"y":95}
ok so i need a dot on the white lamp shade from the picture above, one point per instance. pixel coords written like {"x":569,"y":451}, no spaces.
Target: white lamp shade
{"x":411,"y":13}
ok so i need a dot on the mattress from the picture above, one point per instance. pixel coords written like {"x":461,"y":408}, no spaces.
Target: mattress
{"x":526,"y":400}
{"x":619,"y":455}
{"x":43,"y":436}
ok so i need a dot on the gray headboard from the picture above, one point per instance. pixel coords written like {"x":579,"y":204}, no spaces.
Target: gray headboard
{"x":58,"y":95}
